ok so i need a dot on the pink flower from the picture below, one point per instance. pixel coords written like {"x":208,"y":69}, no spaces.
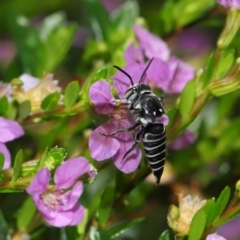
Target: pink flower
{"x":58,"y":203}
{"x":168,"y":73}
{"x":230,"y":3}
{"x":104,"y":147}
{"x":182,"y":141}
{"x":9,"y":130}
{"x":215,"y":237}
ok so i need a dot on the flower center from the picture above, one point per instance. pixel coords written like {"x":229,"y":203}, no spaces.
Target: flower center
{"x":52,"y":197}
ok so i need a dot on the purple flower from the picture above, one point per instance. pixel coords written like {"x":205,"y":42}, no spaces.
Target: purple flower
{"x":215,"y":237}
{"x":103,"y":147}
{"x":230,"y":3}
{"x":182,"y":141}
{"x":9,"y":130}
{"x":168,"y":73}
{"x":58,"y":203}
{"x":230,"y":230}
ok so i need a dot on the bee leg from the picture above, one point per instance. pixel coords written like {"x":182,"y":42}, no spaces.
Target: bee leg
{"x":137,"y":140}
{"x":121,"y":130}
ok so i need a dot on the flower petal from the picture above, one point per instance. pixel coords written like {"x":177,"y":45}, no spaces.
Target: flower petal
{"x":181,"y":74}
{"x":132,"y":160}
{"x":29,"y":81}
{"x":102,"y":147}
{"x":43,"y":208}
{"x":163,"y":119}
{"x":7,"y":156}
{"x":122,"y":82}
{"x":62,"y":219}
{"x":183,"y":141}
{"x":215,"y":237}
{"x":152,"y":45}
{"x":78,"y":214}
{"x":40,"y":182}
{"x":67,"y":173}
{"x":159,"y":73}
{"x":9,"y":130}
{"x":71,"y":197}
{"x":134,"y":54}
{"x":100,"y":95}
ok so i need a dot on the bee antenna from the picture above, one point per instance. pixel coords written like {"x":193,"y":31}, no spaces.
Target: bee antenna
{"x":145,"y":70}
{"x":121,"y":70}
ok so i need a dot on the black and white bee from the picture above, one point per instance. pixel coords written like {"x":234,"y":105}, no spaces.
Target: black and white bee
{"x":145,"y":107}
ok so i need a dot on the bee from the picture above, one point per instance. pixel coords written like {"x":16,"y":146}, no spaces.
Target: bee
{"x":146,"y":108}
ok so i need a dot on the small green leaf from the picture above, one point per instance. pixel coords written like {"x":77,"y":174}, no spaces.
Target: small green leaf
{"x":119,"y":229}
{"x":125,"y":15}
{"x":96,"y":234}
{"x":197,"y":225}
{"x":43,"y":158}
{"x":17,"y":165}
{"x":187,"y":98}
{"x":26,"y":214}
{"x":24,"y":109}
{"x":3,"y":105}
{"x":222,"y":201}
{"x":209,"y":211}
{"x":165,"y":235}
{"x":81,"y":227}
{"x":208,"y":73}
{"x":71,"y":93}
{"x":106,"y":205}
{"x":2,"y":159}
{"x":99,"y":18}
{"x":225,"y":63}
{"x":50,"y":102}
{"x":3,"y":227}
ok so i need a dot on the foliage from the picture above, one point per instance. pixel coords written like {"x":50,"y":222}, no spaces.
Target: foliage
{"x":80,"y":41}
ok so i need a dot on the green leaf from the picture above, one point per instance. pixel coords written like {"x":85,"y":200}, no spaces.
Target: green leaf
{"x":225,"y":63}
{"x":95,"y":234}
{"x":119,"y":229}
{"x":42,"y":48}
{"x":17,"y":165}
{"x":26,"y":214}
{"x":197,"y":225}
{"x":186,"y":11}
{"x":208,"y":73}
{"x":2,"y":159}
{"x":24,"y":109}
{"x":50,"y":102}
{"x":106,"y":205}
{"x":3,"y":227}
{"x":165,"y":235}
{"x":81,"y":227}
{"x":3,"y":105}
{"x":222,"y":201}
{"x":43,"y":158}
{"x":71,"y":93}
{"x":187,"y":98}
{"x":124,"y":17}
{"x":209,"y":211}
{"x":99,"y":18}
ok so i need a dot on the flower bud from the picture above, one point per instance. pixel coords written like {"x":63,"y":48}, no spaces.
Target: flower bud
{"x":34,"y":89}
{"x":179,"y":219}
{"x":228,"y":84}
{"x":238,"y":185}
{"x":230,"y":29}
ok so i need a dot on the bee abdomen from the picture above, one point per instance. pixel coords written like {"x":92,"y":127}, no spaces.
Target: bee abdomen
{"x":155,"y":147}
